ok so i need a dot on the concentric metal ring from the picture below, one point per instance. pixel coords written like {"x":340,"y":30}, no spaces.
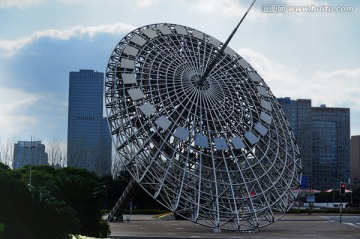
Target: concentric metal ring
{"x":222,"y":153}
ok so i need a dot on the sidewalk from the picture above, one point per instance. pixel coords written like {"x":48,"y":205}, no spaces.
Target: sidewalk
{"x":294,"y":226}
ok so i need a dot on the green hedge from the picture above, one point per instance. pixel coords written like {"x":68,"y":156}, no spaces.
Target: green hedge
{"x":146,"y":211}
{"x":326,"y":210}
{"x":2,"y":228}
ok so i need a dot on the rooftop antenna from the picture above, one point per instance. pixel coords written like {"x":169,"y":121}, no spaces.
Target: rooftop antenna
{"x":217,"y":57}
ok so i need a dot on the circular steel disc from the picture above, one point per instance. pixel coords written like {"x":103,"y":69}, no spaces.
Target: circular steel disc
{"x":220,"y":154}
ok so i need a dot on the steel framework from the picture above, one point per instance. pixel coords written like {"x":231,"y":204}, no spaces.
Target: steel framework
{"x":220,"y":153}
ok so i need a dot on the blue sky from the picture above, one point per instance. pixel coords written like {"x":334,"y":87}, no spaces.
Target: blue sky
{"x":303,"y":55}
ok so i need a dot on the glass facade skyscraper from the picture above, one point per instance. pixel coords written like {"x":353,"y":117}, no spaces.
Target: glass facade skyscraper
{"x":299,"y":116}
{"x":331,"y":146}
{"x":355,"y":160}
{"x":323,"y":135}
{"x":89,"y":140}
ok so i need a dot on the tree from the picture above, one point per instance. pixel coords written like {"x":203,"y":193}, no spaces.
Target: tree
{"x":85,"y":196}
{"x":117,"y":163}
{"x":6,"y":153}
{"x":41,"y":175}
{"x":69,"y":199}
{"x":50,"y":216}
{"x":113,"y":188}
{"x":2,"y":228}
{"x":32,"y":213}
{"x":56,"y":152}
{"x":4,"y":167}
{"x":14,"y":201}
{"x":78,"y":172}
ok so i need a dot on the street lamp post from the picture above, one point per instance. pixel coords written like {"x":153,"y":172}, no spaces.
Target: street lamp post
{"x":104,"y":187}
{"x":30,"y":176}
{"x":31,"y":158}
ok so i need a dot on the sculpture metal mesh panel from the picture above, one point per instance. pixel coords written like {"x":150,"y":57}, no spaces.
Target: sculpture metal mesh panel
{"x":220,"y":153}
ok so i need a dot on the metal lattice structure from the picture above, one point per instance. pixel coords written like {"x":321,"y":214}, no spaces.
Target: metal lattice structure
{"x":220,"y":153}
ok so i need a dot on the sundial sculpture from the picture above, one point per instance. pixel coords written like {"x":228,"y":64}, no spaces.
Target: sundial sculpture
{"x":215,"y":148}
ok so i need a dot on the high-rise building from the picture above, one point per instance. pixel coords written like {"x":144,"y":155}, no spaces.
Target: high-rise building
{"x":89,"y":140}
{"x":323,"y":135}
{"x":355,"y":160}
{"x":299,"y":116}
{"x":331,"y":146}
{"x":29,"y":153}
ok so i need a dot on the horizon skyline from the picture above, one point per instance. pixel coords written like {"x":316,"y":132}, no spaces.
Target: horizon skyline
{"x":301,"y":55}
{"x":33,"y":137}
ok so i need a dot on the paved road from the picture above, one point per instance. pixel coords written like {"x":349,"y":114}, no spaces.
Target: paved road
{"x":294,"y":226}
{"x":346,"y":219}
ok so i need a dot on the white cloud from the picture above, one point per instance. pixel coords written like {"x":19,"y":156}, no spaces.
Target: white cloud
{"x":279,"y":77}
{"x":12,"y":99}
{"x":225,"y":8}
{"x":18,"y":3}
{"x":28,"y":3}
{"x":302,"y":2}
{"x":337,"y":88}
{"x":24,"y":114}
{"x":13,"y":118}
{"x":146,"y":3}
{"x":11,"y":46}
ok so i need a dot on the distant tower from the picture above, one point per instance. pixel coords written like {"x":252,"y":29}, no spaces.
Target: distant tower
{"x":29,"y":153}
{"x":299,"y":116}
{"x":331,"y":146}
{"x":89,"y":140}
{"x":323,"y":135}
{"x":355,"y":160}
